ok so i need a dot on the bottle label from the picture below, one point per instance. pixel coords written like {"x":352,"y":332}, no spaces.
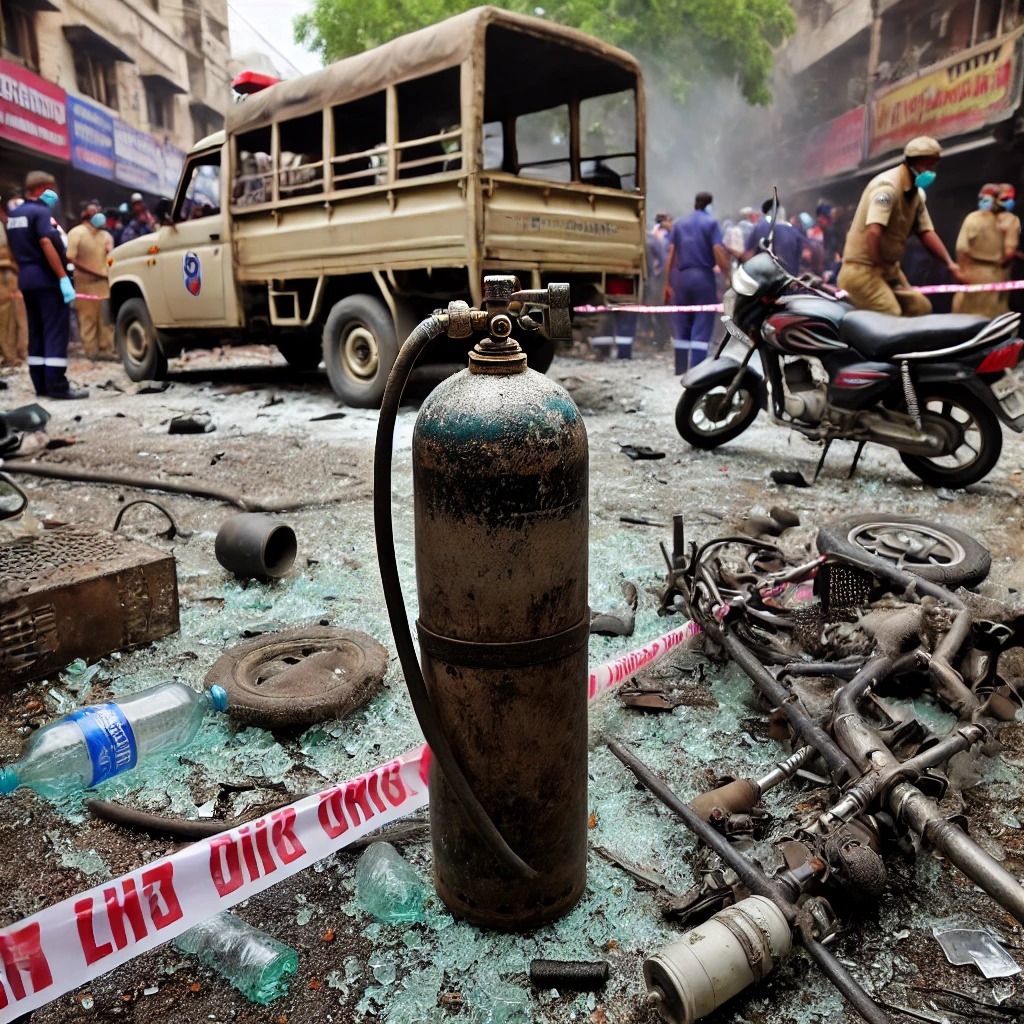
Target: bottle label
{"x":109,"y":739}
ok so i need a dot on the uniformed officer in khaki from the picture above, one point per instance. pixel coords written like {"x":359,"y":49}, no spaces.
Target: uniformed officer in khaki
{"x":986,"y":248}
{"x":89,"y":245}
{"x":13,"y":340}
{"x":891,"y":207}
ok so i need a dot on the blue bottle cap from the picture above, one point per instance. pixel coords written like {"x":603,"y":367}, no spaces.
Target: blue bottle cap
{"x":219,"y":696}
{"x":8,"y":780}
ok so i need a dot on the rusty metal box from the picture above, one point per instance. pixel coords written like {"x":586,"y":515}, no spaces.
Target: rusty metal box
{"x":74,"y":593}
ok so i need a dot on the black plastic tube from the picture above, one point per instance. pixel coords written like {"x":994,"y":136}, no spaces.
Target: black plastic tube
{"x":91,"y":476}
{"x":384,"y":529}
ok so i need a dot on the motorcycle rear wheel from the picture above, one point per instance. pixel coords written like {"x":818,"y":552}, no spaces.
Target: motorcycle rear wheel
{"x":980,"y":439}
{"x":703,"y":423}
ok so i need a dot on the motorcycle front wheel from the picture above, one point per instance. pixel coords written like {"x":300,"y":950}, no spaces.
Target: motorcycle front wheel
{"x":704,"y":420}
{"x":977,"y":445}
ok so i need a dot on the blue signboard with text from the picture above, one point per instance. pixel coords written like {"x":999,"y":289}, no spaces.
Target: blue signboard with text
{"x":92,"y":138}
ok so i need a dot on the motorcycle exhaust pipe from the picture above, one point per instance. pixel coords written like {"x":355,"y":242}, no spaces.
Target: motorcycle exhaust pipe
{"x":717,"y":960}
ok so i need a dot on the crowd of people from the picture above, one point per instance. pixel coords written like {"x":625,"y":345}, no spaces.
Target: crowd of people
{"x":861,"y":250}
{"x":690,"y":260}
{"x":43,"y":269}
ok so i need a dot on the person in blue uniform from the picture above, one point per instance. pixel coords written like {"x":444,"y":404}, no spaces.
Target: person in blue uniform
{"x":39,"y":250}
{"x":694,"y":250}
{"x":788,"y":243}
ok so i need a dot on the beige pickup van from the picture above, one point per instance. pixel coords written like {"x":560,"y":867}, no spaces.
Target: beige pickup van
{"x":340,"y":208}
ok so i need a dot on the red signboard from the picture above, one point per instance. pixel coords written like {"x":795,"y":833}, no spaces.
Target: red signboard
{"x":835,"y":147}
{"x":33,"y":112}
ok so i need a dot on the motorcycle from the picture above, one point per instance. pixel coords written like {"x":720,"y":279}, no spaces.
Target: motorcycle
{"x":934,"y":388}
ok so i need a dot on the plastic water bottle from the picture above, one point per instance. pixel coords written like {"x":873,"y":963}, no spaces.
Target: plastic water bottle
{"x":387,"y":887}
{"x":97,"y":742}
{"x":255,"y":963}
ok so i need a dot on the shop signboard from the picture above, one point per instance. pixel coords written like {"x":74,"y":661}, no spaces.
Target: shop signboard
{"x":138,"y":159}
{"x":833,"y":148}
{"x":33,"y":112}
{"x":963,"y":94}
{"x":92,"y":138}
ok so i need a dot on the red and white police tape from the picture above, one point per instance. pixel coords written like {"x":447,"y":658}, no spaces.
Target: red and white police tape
{"x":71,"y":943}
{"x":928,"y":289}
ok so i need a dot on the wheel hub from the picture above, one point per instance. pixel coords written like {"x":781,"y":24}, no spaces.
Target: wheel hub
{"x":359,"y":353}
{"x":911,"y":545}
{"x":136,"y":341}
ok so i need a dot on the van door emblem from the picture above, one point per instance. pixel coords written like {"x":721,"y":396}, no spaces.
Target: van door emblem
{"x":192,"y":271}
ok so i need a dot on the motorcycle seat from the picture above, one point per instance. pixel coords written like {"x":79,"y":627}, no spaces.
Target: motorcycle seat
{"x":881,"y":336}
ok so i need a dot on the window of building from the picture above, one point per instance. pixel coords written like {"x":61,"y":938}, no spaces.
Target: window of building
{"x":430,"y":124}
{"x":542,"y":144}
{"x":96,"y":78}
{"x":159,"y":105}
{"x":360,"y":147}
{"x":301,"y":156}
{"x":205,"y":121}
{"x":19,"y":35}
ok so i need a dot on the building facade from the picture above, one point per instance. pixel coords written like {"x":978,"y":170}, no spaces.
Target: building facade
{"x":868,"y":75}
{"x":109,"y":96}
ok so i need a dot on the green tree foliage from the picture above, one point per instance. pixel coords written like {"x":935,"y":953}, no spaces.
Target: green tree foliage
{"x":685,"y":39}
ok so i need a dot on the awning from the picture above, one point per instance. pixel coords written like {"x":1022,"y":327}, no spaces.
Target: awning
{"x":161,"y":80}
{"x":90,"y":41}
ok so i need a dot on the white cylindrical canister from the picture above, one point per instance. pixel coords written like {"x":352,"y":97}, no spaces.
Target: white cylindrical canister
{"x":714,"y":961}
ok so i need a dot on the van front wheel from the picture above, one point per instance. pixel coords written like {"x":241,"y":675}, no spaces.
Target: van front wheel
{"x":360,"y":347}
{"x":137,"y":344}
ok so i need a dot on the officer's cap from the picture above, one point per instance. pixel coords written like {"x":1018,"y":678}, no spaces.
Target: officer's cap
{"x":36,"y":178}
{"x":991,"y":189}
{"x":923,"y":145}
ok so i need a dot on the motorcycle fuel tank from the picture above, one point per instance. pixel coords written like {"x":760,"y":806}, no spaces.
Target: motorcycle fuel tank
{"x":500,"y":476}
{"x":805,"y":324}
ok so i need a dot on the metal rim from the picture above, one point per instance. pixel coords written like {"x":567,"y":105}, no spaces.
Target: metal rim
{"x":709,"y":418}
{"x":907,"y":543}
{"x":968,"y":441}
{"x":136,"y":341}
{"x":360,"y":356}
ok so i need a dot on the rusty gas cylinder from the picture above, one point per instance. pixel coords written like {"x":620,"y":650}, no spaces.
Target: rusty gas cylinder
{"x":500,"y":468}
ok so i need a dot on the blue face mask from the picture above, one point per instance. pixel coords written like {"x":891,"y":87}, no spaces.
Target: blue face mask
{"x":924,"y":179}
{"x":98,"y":220}
{"x":1007,"y":204}
{"x":49,"y":197}
{"x":985,"y":203}
{"x":709,"y":210}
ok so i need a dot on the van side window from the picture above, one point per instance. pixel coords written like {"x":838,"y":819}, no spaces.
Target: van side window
{"x":201,"y":197}
{"x":430,"y":124}
{"x":301,"y":156}
{"x":360,"y":147}
{"x":252,"y":183}
{"x":542,"y":144}
{"x":608,"y":140}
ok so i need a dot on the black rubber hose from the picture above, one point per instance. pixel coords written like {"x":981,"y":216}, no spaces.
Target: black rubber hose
{"x":757,"y":882}
{"x":90,"y":476}
{"x":190,"y":829}
{"x":433,"y":733}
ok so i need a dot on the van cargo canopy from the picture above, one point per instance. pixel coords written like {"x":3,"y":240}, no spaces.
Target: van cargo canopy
{"x":596,"y":68}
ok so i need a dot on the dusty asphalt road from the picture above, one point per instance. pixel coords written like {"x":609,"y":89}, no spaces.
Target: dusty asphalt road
{"x":269,"y":445}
